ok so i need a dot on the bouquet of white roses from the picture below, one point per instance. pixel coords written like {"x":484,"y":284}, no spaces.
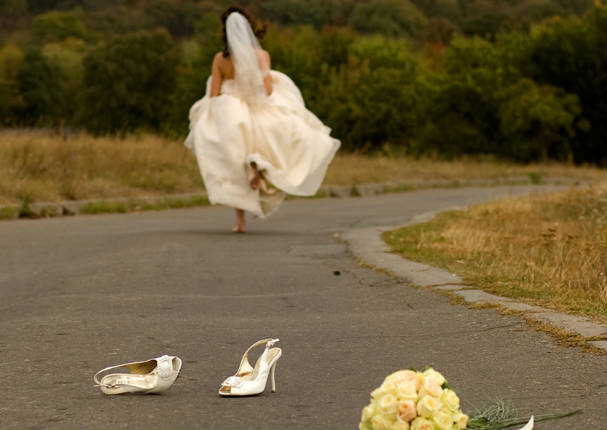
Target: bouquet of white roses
{"x":413,"y":400}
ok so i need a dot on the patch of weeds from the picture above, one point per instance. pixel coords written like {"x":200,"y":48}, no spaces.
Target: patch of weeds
{"x":320,"y":194}
{"x":376,"y":269}
{"x":132,"y":205}
{"x":25,"y":210}
{"x":454,"y":299}
{"x":535,"y":177}
{"x":9,"y":212}
{"x":397,"y":188}
{"x":354,"y":192}
{"x":68,"y":189}
{"x":50,"y":211}
{"x":566,"y":338}
{"x":484,"y":305}
{"x":178,"y":203}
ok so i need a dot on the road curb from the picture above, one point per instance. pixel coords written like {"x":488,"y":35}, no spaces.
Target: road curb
{"x":367,"y":245}
{"x":131,"y":204}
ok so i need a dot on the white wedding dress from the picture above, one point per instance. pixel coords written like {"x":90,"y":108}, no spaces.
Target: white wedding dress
{"x":288,"y":144}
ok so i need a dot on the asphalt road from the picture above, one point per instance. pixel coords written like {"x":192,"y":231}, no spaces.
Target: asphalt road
{"x":79,"y":294}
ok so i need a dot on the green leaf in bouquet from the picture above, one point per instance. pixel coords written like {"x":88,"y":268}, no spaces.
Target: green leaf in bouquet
{"x":501,"y":415}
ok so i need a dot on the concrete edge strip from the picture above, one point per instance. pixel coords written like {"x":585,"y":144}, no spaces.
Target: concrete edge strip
{"x":75,"y":207}
{"x":367,"y":245}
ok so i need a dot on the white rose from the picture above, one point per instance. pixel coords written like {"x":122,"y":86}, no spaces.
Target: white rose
{"x":400,"y":424}
{"x":420,"y":379}
{"x":396,"y":377}
{"x":430,"y":387}
{"x":422,"y":424}
{"x":404,"y":376}
{"x":381,"y":422}
{"x":461,"y":420}
{"x":387,"y":403}
{"x":367,"y":412}
{"x":450,"y":400}
{"x":407,"y":411}
{"x":406,"y":391}
{"x":427,"y":406}
{"x":443,"y":421}
{"x":434,"y":375}
{"x":385,"y":388}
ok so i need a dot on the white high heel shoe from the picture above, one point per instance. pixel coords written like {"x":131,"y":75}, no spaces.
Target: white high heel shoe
{"x":152,"y":376}
{"x":251,"y":380}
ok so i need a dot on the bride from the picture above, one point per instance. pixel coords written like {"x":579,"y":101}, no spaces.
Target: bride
{"x":252,"y":136}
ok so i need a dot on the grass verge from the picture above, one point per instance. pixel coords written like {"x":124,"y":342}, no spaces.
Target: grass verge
{"x":549,"y":250}
{"x":131,"y":205}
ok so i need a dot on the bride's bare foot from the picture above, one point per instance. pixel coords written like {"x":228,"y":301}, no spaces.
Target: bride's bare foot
{"x":239,"y":229}
{"x":240,"y":222}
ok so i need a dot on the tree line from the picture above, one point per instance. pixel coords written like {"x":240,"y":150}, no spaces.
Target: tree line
{"x":520,"y":79}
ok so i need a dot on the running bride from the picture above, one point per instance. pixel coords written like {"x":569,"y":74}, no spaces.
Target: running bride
{"x":252,"y":135}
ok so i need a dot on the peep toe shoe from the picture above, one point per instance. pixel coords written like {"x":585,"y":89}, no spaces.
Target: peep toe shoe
{"x":152,"y":376}
{"x":250,"y":380}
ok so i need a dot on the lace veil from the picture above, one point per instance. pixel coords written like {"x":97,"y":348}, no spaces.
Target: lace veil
{"x":250,"y":67}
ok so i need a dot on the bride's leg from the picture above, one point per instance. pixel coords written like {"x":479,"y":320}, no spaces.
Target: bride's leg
{"x":256,"y":180}
{"x":240,"y":222}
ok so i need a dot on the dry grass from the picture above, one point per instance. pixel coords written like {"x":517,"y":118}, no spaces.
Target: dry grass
{"x":549,"y":250}
{"x":40,"y":167}
{"x":35,"y":166}
{"x":349,"y":169}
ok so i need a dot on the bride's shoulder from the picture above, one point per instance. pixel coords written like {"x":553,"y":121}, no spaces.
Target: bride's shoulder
{"x":219,"y":58}
{"x":223,"y":63}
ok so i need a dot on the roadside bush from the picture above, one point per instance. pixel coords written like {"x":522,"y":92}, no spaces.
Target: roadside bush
{"x":11,"y":58}
{"x":41,"y":87}
{"x":570,"y":54}
{"x":387,"y":17}
{"x":55,"y":25}
{"x":128,"y":83}
{"x":537,"y":122}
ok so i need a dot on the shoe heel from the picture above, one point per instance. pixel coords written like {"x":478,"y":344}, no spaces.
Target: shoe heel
{"x":273,"y":380}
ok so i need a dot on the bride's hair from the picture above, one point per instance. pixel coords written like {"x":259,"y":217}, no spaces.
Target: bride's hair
{"x":259,"y":31}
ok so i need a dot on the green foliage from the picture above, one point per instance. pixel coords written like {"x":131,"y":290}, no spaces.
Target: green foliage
{"x":191,"y":76}
{"x":570,"y":54}
{"x":377,"y":67}
{"x":11,"y":10}
{"x":128,"y":83}
{"x":118,"y":19}
{"x":298,"y":12}
{"x":67,"y":56}
{"x":296,"y":53}
{"x":523,"y":79}
{"x":439,"y":30}
{"x":54,"y":25}
{"x":537,"y":121}
{"x":388,"y":17}
{"x":11,"y":58}
{"x":13,"y":7}
{"x":461,"y":112}
{"x":179,"y":18}
{"x":10,"y":13}
{"x":41,"y":88}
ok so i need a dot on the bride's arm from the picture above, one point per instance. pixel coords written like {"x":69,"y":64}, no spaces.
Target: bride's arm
{"x":267,"y":80}
{"x":216,"y":75}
